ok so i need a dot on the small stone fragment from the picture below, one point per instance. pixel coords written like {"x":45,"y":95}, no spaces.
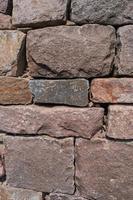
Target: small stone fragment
{"x":9,"y":193}
{"x":6,"y":6}
{"x":112,"y":90}
{"x":56,"y":196}
{"x":5,"y":22}
{"x":69,"y":92}
{"x":113,"y":12}
{"x":52,"y":121}
{"x":14,"y":91}
{"x":124,"y":59}
{"x":104,"y":169}
{"x":120,"y":122}
{"x":42,"y":164}
{"x":39,"y":13}
{"x":71,"y":51}
{"x":12,"y":53}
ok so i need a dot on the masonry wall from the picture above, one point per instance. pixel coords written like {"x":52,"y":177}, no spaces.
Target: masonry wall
{"x":66,"y":100}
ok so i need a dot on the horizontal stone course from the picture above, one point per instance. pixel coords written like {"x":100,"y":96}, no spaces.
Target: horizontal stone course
{"x":69,"y":92}
{"x":112,"y":90}
{"x":52,"y":121}
{"x":39,"y":13}
{"x":12,"y":55}
{"x":114,"y":12}
{"x":14,"y":91}
{"x":40,"y":163}
{"x":9,"y":193}
{"x":120,"y":122}
{"x":124,"y":58}
{"x":71,"y":51}
{"x":104,"y":169}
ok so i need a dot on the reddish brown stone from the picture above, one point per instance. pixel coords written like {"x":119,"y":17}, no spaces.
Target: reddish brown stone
{"x":53,"y":121}
{"x":112,"y":90}
{"x":42,"y":164}
{"x":120,"y":122}
{"x":5,"y":22}
{"x":104,"y":169}
{"x":12,"y":53}
{"x":14,"y":91}
{"x":71,"y":51}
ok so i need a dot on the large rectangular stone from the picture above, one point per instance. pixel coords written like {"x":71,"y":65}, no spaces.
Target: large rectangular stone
{"x":120,"y":122}
{"x":104,"y":169}
{"x":12,"y":53}
{"x":39,"y":13}
{"x":40,"y":163}
{"x":14,"y":91}
{"x":112,"y":90}
{"x":71,"y":51}
{"x":9,"y":193}
{"x":113,"y":12}
{"x":69,"y":92}
{"x":124,"y":58}
{"x":53,"y":121}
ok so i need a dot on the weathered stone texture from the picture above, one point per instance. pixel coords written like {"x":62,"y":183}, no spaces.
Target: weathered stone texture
{"x":5,"y":6}
{"x":120,"y":122}
{"x":71,"y":51}
{"x":14,"y":91}
{"x":9,"y":193}
{"x":56,"y":196}
{"x":53,"y":121}
{"x":70,"y":92}
{"x":5,"y":22}
{"x":112,"y":90}
{"x":104,"y":169}
{"x":39,"y":13}
{"x":12,"y":58}
{"x":2,"y":167}
{"x":124,"y":58}
{"x":40,"y":163}
{"x":113,"y":12}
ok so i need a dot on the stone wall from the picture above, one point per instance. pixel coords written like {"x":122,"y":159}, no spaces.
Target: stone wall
{"x":66,"y":100}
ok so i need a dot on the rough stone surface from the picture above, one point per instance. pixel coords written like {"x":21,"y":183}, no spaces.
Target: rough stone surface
{"x":2,"y":167}
{"x":9,"y":193}
{"x":56,"y":196}
{"x":5,"y":22}
{"x":12,"y":62}
{"x":39,"y":13}
{"x":49,"y":168}
{"x":14,"y":91}
{"x":53,"y":121}
{"x":71,"y":51}
{"x":120,"y":122}
{"x":104,"y":169}
{"x":5,"y":6}
{"x":124,"y":58}
{"x":70,"y":92}
{"x":113,"y":12}
{"x":112,"y":90}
